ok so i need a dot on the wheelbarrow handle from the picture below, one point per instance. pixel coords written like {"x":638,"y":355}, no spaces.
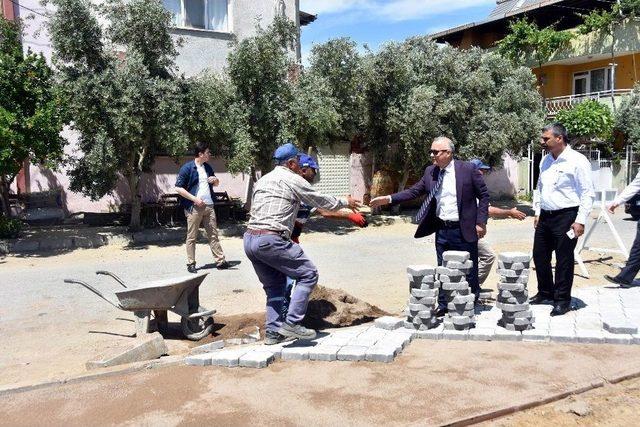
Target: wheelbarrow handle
{"x":94,"y":290}
{"x":107,"y":273}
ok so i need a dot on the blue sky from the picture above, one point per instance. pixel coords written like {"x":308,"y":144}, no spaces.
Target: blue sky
{"x":375,"y":21}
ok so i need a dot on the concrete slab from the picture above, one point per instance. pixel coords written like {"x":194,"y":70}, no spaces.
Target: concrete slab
{"x":352,"y":353}
{"x":147,"y":347}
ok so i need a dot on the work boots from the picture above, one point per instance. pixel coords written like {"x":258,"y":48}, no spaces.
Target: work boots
{"x":296,"y":331}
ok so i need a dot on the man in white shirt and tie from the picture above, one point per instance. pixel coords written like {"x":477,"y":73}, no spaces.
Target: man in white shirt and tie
{"x":562,"y":203}
{"x":630,"y":271}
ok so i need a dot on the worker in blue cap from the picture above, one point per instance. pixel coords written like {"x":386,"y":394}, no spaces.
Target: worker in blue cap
{"x":486,"y":255}
{"x":309,"y":170}
{"x":267,"y":242}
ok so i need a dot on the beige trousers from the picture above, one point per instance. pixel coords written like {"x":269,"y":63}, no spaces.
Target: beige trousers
{"x":486,"y":257}
{"x":196,"y":217}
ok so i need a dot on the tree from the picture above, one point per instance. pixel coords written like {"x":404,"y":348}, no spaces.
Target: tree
{"x":588,"y":121}
{"x":341,"y":66}
{"x":120,"y":85}
{"x":627,"y":119}
{"x":31,"y":114}
{"x":528,"y":42}
{"x":418,"y":90}
{"x":606,"y":23}
{"x":259,"y":68}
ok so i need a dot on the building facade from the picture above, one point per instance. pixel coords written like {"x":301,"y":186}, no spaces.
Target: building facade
{"x":206,"y":28}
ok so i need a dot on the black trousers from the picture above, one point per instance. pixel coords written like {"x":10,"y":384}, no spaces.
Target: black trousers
{"x":550,"y":236}
{"x":630,"y":270}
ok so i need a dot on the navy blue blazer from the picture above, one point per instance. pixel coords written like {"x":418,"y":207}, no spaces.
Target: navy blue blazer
{"x":189,"y":180}
{"x":471,"y":192}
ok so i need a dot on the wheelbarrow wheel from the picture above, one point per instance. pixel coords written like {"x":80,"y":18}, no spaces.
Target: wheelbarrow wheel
{"x":198,"y":328}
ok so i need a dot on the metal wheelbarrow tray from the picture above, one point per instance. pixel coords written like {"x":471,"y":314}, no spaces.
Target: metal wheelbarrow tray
{"x":179,"y":295}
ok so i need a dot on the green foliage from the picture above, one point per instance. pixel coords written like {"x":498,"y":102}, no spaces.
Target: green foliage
{"x":31,"y":115}
{"x":126,"y":106}
{"x":341,"y":66}
{"x":259,"y":68}
{"x":605,"y":21}
{"x":627,"y":118}
{"x":527,"y":42}
{"x":9,"y":228}
{"x":418,"y":90}
{"x":587,"y":121}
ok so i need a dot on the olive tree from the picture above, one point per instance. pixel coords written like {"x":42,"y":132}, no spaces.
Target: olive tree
{"x":122,"y":92}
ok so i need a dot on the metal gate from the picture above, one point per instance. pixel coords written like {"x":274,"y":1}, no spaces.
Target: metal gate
{"x":633,"y":163}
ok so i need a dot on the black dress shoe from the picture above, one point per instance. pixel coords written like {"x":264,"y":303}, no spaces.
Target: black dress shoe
{"x":540,"y":299}
{"x":223,"y":265}
{"x":441,"y":311}
{"x":560,"y":308}
{"x":621,"y":283}
{"x":191,"y":268}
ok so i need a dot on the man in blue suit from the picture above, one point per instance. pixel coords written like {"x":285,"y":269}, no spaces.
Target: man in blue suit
{"x":456,"y":206}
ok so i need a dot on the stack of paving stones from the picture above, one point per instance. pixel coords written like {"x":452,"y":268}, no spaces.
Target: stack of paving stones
{"x":513,"y":296}
{"x":423,"y":299}
{"x":457,"y":293}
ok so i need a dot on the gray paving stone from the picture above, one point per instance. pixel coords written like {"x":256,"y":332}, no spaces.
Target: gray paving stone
{"x":611,"y":338}
{"x":502,"y":334}
{"x":512,"y":307}
{"x":513,"y":273}
{"x":428,"y":301}
{"x":424,"y":293}
{"x":590,"y":337}
{"x":327,"y":353}
{"x":207,"y":348}
{"x":619,"y":326}
{"x":256,"y":359}
{"x":481,"y":334}
{"x":537,"y":335}
{"x":421,"y":270}
{"x":562,"y":335}
{"x":228,"y":357}
{"x":460,"y":256}
{"x":455,"y":286}
{"x":514,"y":257}
{"x":352,"y":353}
{"x":418,"y":307}
{"x":295,"y":353}
{"x":454,"y":335}
{"x":381,"y":354}
{"x":198,"y":360}
{"x":518,"y":287}
{"x":457,"y":265}
{"x":432,"y":334}
{"x":388,"y":323}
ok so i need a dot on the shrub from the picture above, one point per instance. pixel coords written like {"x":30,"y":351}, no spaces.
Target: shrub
{"x":587,"y":121}
{"x":9,"y":228}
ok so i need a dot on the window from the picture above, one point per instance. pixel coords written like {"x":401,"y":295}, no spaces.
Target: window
{"x":598,"y":80}
{"x":202,"y":14}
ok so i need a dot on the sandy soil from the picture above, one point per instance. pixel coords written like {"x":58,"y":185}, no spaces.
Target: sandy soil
{"x":431,"y":383}
{"x":611,"y":405}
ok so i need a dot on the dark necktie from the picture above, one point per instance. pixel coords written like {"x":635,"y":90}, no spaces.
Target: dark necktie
{"x":425,"y":205}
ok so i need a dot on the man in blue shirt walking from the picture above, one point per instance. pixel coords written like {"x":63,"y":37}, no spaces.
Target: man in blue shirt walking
{"x":194,"y":184}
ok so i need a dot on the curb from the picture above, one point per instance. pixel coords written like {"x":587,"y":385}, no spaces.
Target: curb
{"x":130,"y":368}
{"x":488,"y":416}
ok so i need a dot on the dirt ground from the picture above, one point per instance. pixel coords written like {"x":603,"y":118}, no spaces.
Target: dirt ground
{"x":430,"y":383}
{"x":611,"y":405}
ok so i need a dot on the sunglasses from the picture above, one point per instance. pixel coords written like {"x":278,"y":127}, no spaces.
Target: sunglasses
{"x":546,"y":138}
{"x":436,"y":152}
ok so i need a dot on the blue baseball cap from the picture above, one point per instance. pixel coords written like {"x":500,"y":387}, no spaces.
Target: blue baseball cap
{"x":308,"y":162}
{"x":478,"y":164}
{"x":285,"y":152}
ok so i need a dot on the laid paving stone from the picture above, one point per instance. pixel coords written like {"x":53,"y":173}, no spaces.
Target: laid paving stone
{"x":620,"y":326}
{"x":537,"y":335}
{"x":207,"y":348}
{"x":383,"y":354}
{"x":295,"y":353}
{"x":505,"y":335}
{"x":481,"y":334}
{"x":198,"y":360}
{"x":256,"y":359}
{"x":229,"y":358}
{"x":327,"y":353}
{"x":611,"y":338}
{"x":352,"y":353}
{"x":590,"y":337}
{"x":455,"y":335}
{"x":562,"y":335}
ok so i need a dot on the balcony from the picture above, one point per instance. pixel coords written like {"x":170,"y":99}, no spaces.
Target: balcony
{"x":554,"y":105}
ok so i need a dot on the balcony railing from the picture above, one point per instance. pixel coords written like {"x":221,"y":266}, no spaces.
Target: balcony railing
{"x":554,"y":105}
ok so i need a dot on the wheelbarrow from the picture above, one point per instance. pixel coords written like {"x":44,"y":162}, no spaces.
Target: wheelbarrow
{"x":179,"y":295}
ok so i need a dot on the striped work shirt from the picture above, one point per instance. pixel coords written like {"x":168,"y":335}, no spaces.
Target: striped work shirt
{"x":277,"y":198}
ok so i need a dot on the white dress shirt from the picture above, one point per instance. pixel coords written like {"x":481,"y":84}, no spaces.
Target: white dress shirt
{"x":204,"y":191}
{"x":631,"y":190}
{"x":565,"y":182}
{"x":446,"y":197}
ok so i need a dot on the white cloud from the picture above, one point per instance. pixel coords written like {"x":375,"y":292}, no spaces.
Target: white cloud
{"x":390,"y":10}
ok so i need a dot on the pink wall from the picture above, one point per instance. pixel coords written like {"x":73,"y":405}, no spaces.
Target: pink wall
{"x":161,"y":180}
{"x":503,"y":182}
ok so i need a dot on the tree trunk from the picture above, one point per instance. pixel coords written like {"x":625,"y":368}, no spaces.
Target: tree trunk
{"x":136,"y":205}
{"x":4,"y":196}
{"x":401,"y":185}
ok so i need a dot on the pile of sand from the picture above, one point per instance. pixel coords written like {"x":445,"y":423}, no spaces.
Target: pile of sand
{"x":328,"y":308}
{"x":334,"y":308}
